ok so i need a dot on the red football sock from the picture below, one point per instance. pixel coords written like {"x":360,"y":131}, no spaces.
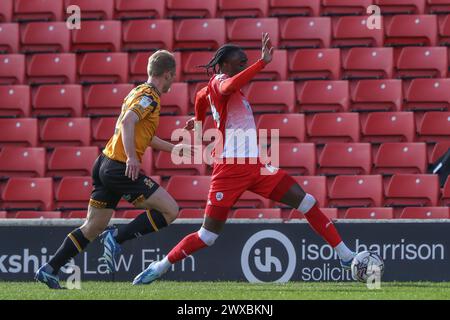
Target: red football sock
{"x":323,"y":226}
{"x":190,"y":244}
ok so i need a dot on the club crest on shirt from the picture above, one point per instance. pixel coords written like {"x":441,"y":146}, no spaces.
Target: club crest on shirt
{"x":219,"y":196}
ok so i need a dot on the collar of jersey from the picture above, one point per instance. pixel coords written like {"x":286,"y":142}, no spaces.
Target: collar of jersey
{"x":154,"y":88}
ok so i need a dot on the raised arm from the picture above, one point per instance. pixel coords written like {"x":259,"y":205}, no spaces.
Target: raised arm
{"x":241,"y":79}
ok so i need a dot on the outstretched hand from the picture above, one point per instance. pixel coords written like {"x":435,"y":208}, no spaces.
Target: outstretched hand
{"x":267,"y":48}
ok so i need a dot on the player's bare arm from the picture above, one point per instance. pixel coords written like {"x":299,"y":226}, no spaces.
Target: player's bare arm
{"x":128,"y":126}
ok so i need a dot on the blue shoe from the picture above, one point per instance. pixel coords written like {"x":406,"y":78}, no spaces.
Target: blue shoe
{"x":147,"y":276}
{"x":45,"y":275}
{"x":347,"y":264}
{"x":112,"y":249}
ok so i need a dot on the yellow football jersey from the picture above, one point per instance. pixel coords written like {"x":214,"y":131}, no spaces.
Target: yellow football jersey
{"x":145,"y":101}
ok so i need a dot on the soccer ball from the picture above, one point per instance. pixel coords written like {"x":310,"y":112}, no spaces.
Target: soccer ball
{"x":367,"y":264}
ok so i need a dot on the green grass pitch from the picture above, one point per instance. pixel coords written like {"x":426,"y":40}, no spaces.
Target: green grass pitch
{"x":170,"y":290}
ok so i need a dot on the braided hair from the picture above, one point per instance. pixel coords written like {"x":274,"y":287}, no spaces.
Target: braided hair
{"x":221,"y":54}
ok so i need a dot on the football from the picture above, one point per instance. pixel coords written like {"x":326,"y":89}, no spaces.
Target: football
{"x":367,"y":264}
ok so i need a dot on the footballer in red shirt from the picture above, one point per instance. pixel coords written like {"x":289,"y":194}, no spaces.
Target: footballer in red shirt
{"x":237,"y":166}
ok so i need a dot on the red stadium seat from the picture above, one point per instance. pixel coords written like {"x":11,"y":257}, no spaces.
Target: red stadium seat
{"x":444,"y":30}
{"x":199,"y":34}
{"x":246,"y":32}
{"x":412,"y":190}
{"x":27,"y":193}
{"x":9,"y":37}
{"x":106,"y":99}
{"x":298,"y":158}
{"x":271,"y":96}
{"x":147,"y":165}
{"x":271,"y":213}
{"x":164,"y":166}
{"x":401,"y":6}
{"x":287,"y":8}
{"x":176,"y":101}
{"x":103,"y":67}
{"x":438,"y":151}
{"x":369,"y":213}
{"x":140,"y":9}
{"x":241,"y":9}
{"x":276,"y":70}
{"x":38,"y":215}
{"x":12,"y":69}
{"x":131,"y":214}
{"x":66,"y":131}
{"x":302,"y":32}
{"x":427,"y":94}
{"x":377,"y":95}
{"x":445,"y":199}
{"x":192,"y":62}
{"x":97,"y":36}
{"x":138,"y":66}
{"x":331,"y":213}
{"x":315,"y":185}
{"x":368,"y":63}
{"x":353,"y":32}
{"x":315,"y":64}
{"x":52,"y":68}
{"x":19,"y":161}
{"x":72,"y":161}
{"x":345,"y":158}
{"x":38,"y":10}
{"x":355,"y":191}
{"x":380,"y":127}
{"x":58,"y":100}
{"x":45,"y":37}
{"x":395,"y":157}
{"x":252,"y":200}
{"x":103,"y":130}
{"x":191,"y":8}
{"x":158,"y":34}
{"x":73,"y":193}
{"x":425,"y":213}
{"x":333,"y":127}
{"x":344,"y":7}
{"x":291,"y":127}
{"x":191,"y":214}
{"x":319,"y":96}
{"x":434,"y":127}
{"x":407,"y":30}
{"x":6,"y":10}
{"x":3,"y":215}
{"x":189,"y":191}
{"x":168,"y":124}
{"x":438,"y":6}
{"x":93,"y":9}
{"x":19,"y":132}
{"x":422,"y":62}
{"x":77,"y":214}
{"x":15,"y":101}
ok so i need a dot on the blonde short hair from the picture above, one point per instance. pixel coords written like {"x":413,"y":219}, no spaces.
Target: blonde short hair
{"x":160,"y":62}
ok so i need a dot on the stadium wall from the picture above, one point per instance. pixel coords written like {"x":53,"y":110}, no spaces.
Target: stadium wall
{"x":252,"y":251}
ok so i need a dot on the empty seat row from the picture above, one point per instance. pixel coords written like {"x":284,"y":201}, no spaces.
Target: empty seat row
{"x":301,"y":64}
{"x":75,"y":101}
{"x":209,"y":34}
{"x":320,"y":128}
{"x":421,"y":95}
{"x":23,"y":10}
{"x":296,"y":158}
{"x":72,"y":193}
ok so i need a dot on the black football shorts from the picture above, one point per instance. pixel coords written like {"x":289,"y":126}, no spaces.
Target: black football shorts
{"x":110,"y":184}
